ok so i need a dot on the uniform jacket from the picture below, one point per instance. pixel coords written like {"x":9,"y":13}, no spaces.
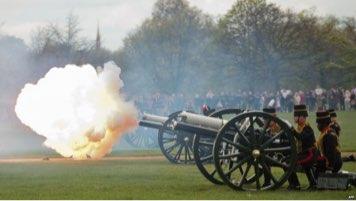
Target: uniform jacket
{"x":336,"y":127}
{"x":305,"y":138}
{"x":330,"y":148}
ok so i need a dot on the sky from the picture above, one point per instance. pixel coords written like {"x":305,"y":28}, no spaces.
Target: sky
{"x":117,"y":18}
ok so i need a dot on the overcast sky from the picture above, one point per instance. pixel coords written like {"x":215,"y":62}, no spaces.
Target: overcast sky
{"x":118,"y":17}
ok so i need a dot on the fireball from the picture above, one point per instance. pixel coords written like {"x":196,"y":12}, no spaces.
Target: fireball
{"x":79,"y":111}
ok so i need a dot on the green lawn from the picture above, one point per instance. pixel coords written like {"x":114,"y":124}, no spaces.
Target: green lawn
{"x":156,"y":179}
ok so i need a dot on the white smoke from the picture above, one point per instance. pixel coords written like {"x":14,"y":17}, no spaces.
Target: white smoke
{"x":80,"y":111}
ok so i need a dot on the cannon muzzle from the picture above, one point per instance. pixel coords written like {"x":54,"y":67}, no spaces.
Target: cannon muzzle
{"x":150,"y":124}
{"x":152,"y":121}
{"x":155,"y":118}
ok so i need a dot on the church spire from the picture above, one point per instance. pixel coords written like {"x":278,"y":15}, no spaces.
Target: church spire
{"x":98,"y":38}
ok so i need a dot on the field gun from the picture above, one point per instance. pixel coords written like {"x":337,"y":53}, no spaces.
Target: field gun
{"x":230,"y":146}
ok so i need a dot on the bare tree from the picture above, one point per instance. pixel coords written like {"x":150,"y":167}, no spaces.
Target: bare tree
{"x":71,"y":32}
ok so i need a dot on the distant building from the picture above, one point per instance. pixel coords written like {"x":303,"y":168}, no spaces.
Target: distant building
{"x":98,"y":39}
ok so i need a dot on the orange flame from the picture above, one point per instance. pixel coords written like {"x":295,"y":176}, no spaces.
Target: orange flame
{"x":80,"y":111}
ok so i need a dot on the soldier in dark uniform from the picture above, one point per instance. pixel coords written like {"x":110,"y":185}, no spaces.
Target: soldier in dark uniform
{"x":328,"y":143}
{"x":272,"y":129}
{"x":205,"y":109}
{"x":306,"y":148}
{"x":334,"y":125}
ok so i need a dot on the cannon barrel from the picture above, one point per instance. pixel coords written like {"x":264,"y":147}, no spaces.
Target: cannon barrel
{"x":150,"y":124}
{"x":194,"y":129}
{"x":152,"y":121}
{"x":203,"y":121}
{"x":155,"y":118}
{"x":187,"y":122}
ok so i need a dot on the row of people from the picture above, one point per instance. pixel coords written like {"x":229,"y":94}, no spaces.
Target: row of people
{"x":314,"y":155}
{"x":283,"y":100}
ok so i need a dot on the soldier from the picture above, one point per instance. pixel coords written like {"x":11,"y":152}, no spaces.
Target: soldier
{"x":306,"y":148}
{"x":272,"y":129}
{"x":334,"y":125}
{"x":328,"y":143}
{"x":206,"y":110}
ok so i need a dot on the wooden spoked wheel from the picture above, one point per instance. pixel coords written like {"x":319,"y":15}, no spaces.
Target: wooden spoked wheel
{"x":142,"y":138}
{"x":203,"y":148}
{"x":176,"y":146}
{"x":261,"y":146}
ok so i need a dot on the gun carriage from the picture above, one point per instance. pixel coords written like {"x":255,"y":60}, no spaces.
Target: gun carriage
{"x":230,"y":146}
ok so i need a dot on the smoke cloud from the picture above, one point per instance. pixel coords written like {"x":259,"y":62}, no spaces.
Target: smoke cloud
{"x":79,"y":110}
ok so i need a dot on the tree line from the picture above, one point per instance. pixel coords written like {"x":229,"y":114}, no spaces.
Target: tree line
{"x":255,"y":46}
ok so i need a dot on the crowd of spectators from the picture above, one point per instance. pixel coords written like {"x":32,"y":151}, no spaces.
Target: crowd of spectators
{"x":283,"y":100}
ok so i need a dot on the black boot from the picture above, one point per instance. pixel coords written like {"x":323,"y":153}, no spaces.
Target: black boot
{"x":311,"y":178}
{"x":293,"y":182}
{"x":267,"y":180}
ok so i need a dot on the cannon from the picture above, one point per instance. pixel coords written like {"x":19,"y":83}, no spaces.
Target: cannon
{"x":178,"y":146}
{"x":236,"y":150}
{"x":143,"y":137}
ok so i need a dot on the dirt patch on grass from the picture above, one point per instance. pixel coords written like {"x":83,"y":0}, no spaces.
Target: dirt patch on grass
{"x":57,"y":159}
{"x":109,"y":158}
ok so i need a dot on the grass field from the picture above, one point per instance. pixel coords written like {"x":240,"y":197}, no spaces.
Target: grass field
{"x":156,"y":179}
{"x":144,"y":179}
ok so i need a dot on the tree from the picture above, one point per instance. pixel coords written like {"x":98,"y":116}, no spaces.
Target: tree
{"x":264,"y":42}
{"x":52,"y":45}
{"x":13,"y":67}
{"x":51,"y":39}
{"x":168,"y":48}
{"x":327,"y":50}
